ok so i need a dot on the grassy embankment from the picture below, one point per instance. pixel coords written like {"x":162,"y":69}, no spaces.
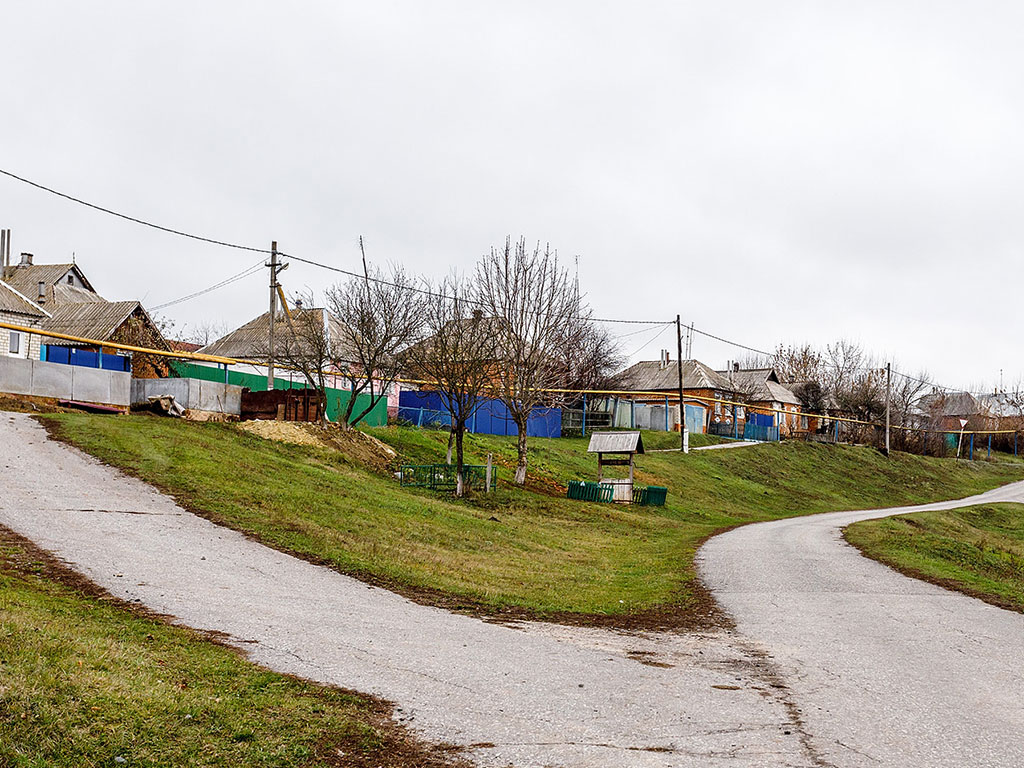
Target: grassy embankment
{"x":513,"y":551}
{"x":977,"y":550}
{"x":86,"y":682}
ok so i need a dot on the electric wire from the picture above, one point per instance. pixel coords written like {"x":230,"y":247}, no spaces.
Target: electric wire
{"x":258,"y":266}
{"x":253,"y":249}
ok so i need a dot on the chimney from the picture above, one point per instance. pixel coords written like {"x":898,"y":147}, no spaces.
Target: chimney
{"x":3,"y":250}
{"x":26,"y":260}
{"x":736,"y":367}
{"x":298,"y":305}
{"x":478,"y":315}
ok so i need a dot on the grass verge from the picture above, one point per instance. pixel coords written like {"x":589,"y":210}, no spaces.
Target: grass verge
{"x":975,"y":550}
{"x":516,"y":552}
{"x":87,"y":681}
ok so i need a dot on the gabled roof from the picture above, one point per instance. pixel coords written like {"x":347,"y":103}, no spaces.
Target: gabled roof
{"x":26,"y":277}
{"x":90,"y":320}
{"x":1003,"y":405}
{"x":12,"y":300}
{"x":653,"y":376}
{"x":250,"y":341}
{"x":760,"y":385}
{"x":952,"y":404}
{"x":616,"y":442}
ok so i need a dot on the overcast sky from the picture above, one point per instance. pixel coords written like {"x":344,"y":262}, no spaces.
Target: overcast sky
{"x":774,"y":172}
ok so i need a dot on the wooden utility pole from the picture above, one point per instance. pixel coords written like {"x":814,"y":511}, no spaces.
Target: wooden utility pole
{"x":273,"y":314}
{"x":888,"y":398}
{"x":679,"y":370}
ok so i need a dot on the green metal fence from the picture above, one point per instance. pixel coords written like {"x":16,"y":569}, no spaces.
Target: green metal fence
{"x":652,"y":495}
{"x":444,"y":476}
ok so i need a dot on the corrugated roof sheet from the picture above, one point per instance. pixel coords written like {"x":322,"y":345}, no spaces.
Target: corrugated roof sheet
{"x":11,"y":300}
{"x":650,"y":376}
{"x":952,"y":404}
{"x":760,"y":385}
{"x":616,"y":442}
{"x":250,"y":340}
{"x":91,"y":320}
{"x":27,"y":278}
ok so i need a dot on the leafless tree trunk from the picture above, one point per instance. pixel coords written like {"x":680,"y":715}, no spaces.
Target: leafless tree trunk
{"x":304,"y":345}
{"x":379,"y":316}
{"x":535,"y":311}
{"x":457,"y":357}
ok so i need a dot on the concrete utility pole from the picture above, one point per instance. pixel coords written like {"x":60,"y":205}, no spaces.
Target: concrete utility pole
{"x":683,"y":442}
{"x":888,"y":399}
{"x":273,"y":314}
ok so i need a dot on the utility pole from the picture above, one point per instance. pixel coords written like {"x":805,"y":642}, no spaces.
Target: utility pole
{"x":273,"y":314}
{"x":888,"y":399}
{"x":683,"y":442}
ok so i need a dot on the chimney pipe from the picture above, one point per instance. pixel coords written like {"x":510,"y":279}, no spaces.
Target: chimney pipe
{"x":736,"y":367}
{"x":26,"y":260}
{"x":3,"y":251}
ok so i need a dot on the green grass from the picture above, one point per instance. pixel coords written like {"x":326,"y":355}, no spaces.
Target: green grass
{"x":514,"y":549}
{"x":978,"y":550}
{"x":84,"y":683}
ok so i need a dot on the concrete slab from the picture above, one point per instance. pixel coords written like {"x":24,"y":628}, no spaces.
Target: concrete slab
{"x":16,"y":375}
{"x":52,"y":380}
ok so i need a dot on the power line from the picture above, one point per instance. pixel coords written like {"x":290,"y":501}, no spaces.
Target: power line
{"x":132,"y":218}
{"x":243,"y":274}
{"x":772,"y":355}
{"x":651,"y":340}
{"x":226,"y":244}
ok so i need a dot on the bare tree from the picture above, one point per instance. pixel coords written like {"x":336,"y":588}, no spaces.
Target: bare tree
{"x":304,"y":344}
{"x":457,"y":357}
{"x":380,"y":316}
{"x":534,"y":309}
{"x":203,"y":332}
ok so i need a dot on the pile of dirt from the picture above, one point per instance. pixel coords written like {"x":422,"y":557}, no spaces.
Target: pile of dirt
{"x":358,"y":447}
{"x":282,"y":431}
{"x":361,"y":448}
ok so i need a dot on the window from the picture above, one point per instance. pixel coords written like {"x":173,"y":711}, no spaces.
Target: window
{"x":803,"y":422}
{"x":71,"y":279}
{"x":14,"y":345}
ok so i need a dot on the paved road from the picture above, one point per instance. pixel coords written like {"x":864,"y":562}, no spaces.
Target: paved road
{"x":532,"y":695}
{"x":886,"y":670}
{"x":838,"y":661}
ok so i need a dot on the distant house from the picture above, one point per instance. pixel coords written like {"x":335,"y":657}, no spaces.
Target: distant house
{"x":251,"y":342}
{"x":701,"y":386}
{"x":17,"y":309}
{"x":945,"y":410}
{"x":765,"y":394}
{"x":73,"y":308}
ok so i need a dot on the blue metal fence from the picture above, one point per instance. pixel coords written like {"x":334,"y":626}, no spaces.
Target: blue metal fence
{"x":426,"y":409}
{"x":760,"y":433}
{"x":52,"y":353}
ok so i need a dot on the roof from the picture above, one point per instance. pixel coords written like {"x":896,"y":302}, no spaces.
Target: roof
{"x":653,"y":376}
{"x":760,"y":385}
{"x":26,"y":277}
{"x":616,"y":442}
{"x":183,"y":346}
{"x":1003,"y":405}
{"x":12,"y":300}
{"x":951,"y":404}
{"x":250,"y":340}
{"x":90,"y":320}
